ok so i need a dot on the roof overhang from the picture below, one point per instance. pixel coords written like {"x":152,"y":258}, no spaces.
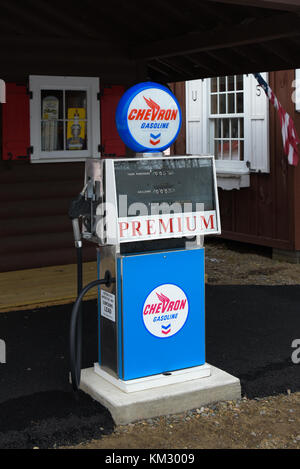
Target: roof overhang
{"x":162,"y":40}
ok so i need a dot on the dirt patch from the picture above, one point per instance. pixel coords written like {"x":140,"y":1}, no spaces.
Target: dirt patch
{"x":232,"y":263}
{"x":268,"y":423}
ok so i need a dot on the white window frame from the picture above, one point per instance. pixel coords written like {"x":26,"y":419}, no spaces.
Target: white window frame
{"x":91,"y":85}
{"x":231,"y":174}
{"x":225,"y":166}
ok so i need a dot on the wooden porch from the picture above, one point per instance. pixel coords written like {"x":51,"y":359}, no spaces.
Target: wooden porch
{"x":46,"y":286}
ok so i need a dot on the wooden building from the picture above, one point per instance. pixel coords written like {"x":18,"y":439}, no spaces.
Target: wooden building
{"x":56,"y":56}
{"x":258,"y":190}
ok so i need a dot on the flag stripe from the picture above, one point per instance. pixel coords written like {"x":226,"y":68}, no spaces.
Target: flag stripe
{"x":289,"y":135}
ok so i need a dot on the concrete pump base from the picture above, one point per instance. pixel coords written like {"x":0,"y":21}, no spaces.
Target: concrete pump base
{"x":168,"y":399}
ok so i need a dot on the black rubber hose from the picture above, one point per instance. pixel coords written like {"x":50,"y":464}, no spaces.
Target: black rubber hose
{"x":79,"y":269}
{"x":74,"y":329}
{"x":78,"y":331}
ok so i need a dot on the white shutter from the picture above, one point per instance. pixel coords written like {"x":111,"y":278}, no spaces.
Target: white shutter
{"x":196,"y":117}
{"x":256,"y":125}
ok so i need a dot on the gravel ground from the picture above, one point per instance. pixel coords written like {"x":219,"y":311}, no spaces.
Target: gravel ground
{"x":233,"y":263}
{"x":269,"y":423}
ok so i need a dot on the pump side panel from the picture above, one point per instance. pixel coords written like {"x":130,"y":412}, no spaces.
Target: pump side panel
{"x":152,"y":279}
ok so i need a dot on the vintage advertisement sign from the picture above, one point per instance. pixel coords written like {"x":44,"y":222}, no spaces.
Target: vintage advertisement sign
{"x":165,"y":310}
{"x":76,"y":129}
{"x":50,"y":116}
{"x":148,"y":117}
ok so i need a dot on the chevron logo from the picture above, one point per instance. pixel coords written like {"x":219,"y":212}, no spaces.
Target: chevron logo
{"x":154,"y":143}
{"x":155,"y":137}
{"x":165,"y":310}
{"x":166,"y":329}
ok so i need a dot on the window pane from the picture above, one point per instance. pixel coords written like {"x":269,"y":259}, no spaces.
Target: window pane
{"x":242,"y":150}
{"x":75,"y":99}
{"x":230,"y":85}
{"x":51,"y":104}
{"x":234,"y":128}
{"x":230,"y":103}
{"x":222,"y":84}
{"x":76,"y":114}
{"x":76,"y":131}
{"x":218,"y":133}
{"x":214,"y":105}
{"x":213,"y":84}
{"x":51,"y":127}
{"x":239,"y":102}
{"x":226,"y":128}
{"x":241,"y":128}
{"x":218,"y":149}
{"x":222,"y":104}
{"x":52,"y":134}
{"x":234,"y":149}
{"x":226,"y":150}
{"x":239,"y":82}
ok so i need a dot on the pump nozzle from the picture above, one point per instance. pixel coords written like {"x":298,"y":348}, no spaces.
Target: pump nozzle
{"x":76,"y":232}
{"x":84,"y":189}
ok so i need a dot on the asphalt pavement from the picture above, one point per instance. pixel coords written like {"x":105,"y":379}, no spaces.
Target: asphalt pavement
{"x":249,"y":333}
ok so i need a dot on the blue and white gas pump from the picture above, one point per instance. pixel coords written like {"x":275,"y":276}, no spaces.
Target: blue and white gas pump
{"x":148,"y":216}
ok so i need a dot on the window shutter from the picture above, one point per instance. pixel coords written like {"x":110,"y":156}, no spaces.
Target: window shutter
{"x":111,"y":143}
{"x":197,"y":117}
{"x":15,"y":123}
{"x":256,"y":126}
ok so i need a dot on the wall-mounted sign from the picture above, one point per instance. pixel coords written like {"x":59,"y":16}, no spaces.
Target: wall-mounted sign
{"x":148,"y":117}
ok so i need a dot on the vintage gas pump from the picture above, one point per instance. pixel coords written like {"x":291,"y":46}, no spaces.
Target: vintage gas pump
{"x":147,"y":217}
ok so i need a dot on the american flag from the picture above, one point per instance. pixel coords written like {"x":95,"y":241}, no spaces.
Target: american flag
{"x":288,"y":131}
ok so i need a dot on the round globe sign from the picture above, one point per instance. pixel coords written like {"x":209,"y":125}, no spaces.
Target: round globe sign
{"x":165,"y":310}
{"x":148,"y":117}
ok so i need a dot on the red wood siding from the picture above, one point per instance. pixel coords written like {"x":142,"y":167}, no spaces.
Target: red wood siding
{"x":110,"y":139}
{"x":15,"y":128}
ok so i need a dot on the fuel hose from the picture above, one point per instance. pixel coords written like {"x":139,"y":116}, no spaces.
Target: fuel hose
{"x":76,"y":329}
